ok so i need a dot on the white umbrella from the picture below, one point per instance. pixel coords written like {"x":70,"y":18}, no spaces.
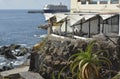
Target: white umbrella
{"x":60,"y":16}
{"x":106,"y":16}
{"x":74,"y":19}
{"x":88,"y":16}
{"x":48,"y":16}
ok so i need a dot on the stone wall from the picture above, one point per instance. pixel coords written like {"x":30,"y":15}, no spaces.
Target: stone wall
{"x":53,"y":54}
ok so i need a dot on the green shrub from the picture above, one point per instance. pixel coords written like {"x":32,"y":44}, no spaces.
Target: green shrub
{"x":86,"y":64}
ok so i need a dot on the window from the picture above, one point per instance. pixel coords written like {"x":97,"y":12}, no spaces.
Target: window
{"x":103,"y":1}
{"x":83,"y":1}
{"x":78,"y":0}
{"x":114,"y":1}
{"x":92,"y":1}
{"x":111,"y":25}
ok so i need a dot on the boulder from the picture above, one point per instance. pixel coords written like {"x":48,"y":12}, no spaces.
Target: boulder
{"x":14,"y":46}
{"x":22,"y":51}
{"x":2,"y":50}
{"x":14,"y":56}
{"x":13,"y":50}
{"x":44,"y":26}
{"x":8,"y":54}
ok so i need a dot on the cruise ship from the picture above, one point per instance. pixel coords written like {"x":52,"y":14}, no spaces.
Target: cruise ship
{"x":50,"y":8}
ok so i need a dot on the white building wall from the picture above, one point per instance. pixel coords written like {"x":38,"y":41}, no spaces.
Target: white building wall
{"x":74,"y":5}
{"x":104,"y":8}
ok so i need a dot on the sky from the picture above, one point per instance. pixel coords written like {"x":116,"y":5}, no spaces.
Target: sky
{"x":29,"y":4}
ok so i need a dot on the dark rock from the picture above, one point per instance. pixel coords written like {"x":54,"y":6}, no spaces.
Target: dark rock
{"x":51,"y":49}
{"x":14,"y":46}
{"x":71,"y":46}
{"x":44,"y":26}
{"x":14,"y":56}
{"x":118,"y":41}
{"x":32,"y":62}
{"x":13,"y":76}
{"x":14,"y":50}
{"x":95,"y":48}
{"x":8,"y":54}
{"x":22,"y":51}
{"x":7,"y":68}
{"x":2,"y":50}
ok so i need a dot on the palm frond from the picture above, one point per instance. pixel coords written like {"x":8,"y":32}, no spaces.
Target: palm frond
{"x":105,"y":60}
{"x":59,"y":75}
{"x":73,"y":66}
{"x":53,"y":75}
{"x":74,"y":55}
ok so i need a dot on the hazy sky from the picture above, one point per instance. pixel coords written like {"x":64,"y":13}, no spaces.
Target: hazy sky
{"x":29,"y":4}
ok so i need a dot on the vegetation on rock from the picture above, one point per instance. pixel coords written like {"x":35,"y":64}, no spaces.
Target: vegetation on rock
{"x":86,"y":62}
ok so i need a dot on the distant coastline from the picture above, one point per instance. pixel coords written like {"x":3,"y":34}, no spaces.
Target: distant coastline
{"x":35,"y":11}
{"x":41,"y":11}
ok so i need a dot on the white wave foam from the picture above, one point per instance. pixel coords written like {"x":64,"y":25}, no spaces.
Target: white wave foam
{"x":40,"y":36}
{"x":24,"y":45}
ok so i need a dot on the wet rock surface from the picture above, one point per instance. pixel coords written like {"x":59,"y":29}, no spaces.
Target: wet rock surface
{"x":44,"y":26}
{"x":13,"y":56}
{"x":53,"y":55}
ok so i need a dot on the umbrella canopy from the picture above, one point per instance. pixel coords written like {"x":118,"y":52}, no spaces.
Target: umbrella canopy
{"x":60,"y":16}
{"x":48,"y":16}
{"x":87,"y":17}
{"x":74,"y":19}
{"x":106,"y":16}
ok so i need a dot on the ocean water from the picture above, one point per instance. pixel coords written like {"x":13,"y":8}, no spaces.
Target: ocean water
{"x":20,"y":27}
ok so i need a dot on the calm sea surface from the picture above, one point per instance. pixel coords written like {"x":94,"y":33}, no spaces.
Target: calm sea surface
{"x":20,"y":27}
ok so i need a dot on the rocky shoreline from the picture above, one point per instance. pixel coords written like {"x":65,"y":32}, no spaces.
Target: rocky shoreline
{"x":13,"y":56}
{"x":52,"y":53}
